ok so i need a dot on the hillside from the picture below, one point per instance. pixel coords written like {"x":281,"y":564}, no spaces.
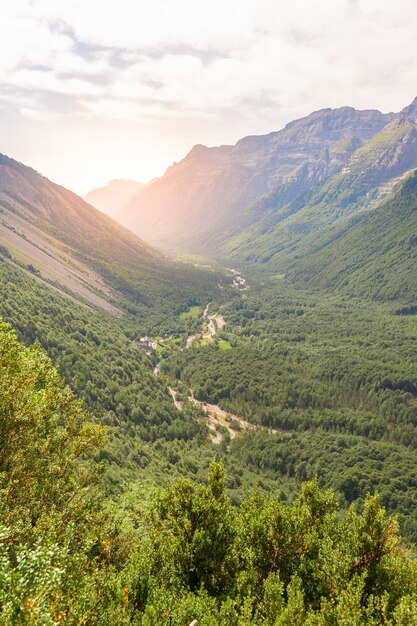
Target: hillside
{"x":374,"y":254}
{"x":213,"y":193}
{"x":59,"y":238}
{"x":69,"y":555}
{"x":372,"y":173}
{"x":114,"y":196}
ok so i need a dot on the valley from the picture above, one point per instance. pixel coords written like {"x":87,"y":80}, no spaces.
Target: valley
{"x":300,"y":365}
{"x":218,"y":421}
{"x":208,"y":313}
{"x":267,"y":387}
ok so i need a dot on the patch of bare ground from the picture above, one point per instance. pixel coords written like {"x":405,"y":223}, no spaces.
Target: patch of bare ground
{"x":211,"y":324}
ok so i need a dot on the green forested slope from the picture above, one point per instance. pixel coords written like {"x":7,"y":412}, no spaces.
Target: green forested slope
{"x":99,"y":356}
{"x":373,"y":255}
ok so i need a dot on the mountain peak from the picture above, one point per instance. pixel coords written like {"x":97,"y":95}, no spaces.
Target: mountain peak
{"x":199,"y":147}
{"x":410,"y":110}
{"x":200,"y":150}
{"x":116,"y":182}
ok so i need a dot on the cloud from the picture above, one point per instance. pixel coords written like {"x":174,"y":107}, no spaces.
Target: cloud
{"x":198,"y":54}
{"x":203,"y":69}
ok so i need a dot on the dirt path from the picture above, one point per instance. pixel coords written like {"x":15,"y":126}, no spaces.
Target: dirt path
{"x":215,"y":322}
{"x":173,"y":393}
{"x":216,"y":417}
{"x":190,"y":340}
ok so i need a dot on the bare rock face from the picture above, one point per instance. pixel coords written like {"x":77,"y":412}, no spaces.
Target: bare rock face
{"x":410,"y":111}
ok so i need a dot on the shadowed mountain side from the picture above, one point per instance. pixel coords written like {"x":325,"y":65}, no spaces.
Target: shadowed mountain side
{"x":374,"y":254}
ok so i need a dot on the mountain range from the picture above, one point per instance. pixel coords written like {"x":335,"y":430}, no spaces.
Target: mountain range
{"x":214,"y":193}
{"x":272,"y":368}
{"x":306,"y":201}
{"x":268,"y":200}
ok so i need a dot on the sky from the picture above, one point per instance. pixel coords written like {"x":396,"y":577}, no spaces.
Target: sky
{"x":92,"y":90}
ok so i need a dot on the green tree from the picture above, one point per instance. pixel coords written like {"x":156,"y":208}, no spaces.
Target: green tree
{"x":194,"y":534}
{"x":44,"y":435}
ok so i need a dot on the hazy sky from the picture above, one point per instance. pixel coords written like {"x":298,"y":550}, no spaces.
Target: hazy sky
{"x":99,"y":89}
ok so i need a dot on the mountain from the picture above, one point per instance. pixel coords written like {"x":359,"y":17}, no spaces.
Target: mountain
{"x":328,"y":385}
{"x":62,"y":240}
{"x":214,"y":193}
{"x":114,"y":196}
{"x":283,"y":236}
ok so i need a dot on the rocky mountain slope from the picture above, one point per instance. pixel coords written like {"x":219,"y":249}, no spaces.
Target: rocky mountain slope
{"x":214,"y":193}
{"x":371,"y":174}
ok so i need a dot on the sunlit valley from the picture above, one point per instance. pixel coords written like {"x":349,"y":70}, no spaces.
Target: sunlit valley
{"x":208,"y":389}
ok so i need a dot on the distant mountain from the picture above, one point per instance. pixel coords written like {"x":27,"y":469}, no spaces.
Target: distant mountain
{"x":214,"y":193}
{"x":114,"y":196}
{"x":62,"y":240}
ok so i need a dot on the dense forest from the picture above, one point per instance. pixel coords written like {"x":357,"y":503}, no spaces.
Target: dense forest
{"x":337,"y":378}
{"x":68,"y":555}
{"x":99,"y":356}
